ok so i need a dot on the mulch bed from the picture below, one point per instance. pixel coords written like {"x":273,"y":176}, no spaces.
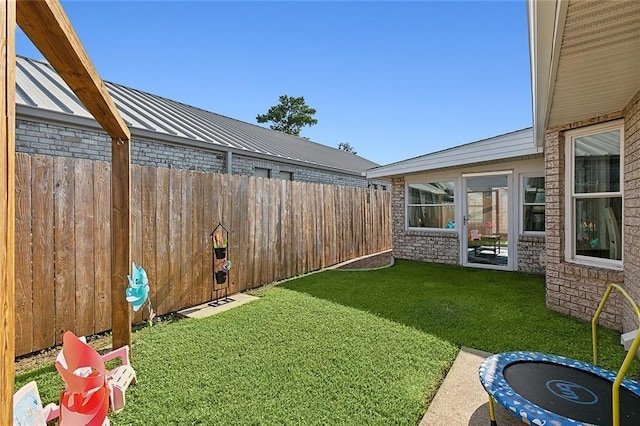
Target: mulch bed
{"x":378,"y":261}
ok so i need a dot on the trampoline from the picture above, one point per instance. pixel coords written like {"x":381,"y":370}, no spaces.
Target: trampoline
{"x":544,"y":389}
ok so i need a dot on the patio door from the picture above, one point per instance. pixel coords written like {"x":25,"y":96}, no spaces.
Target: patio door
{"x":486,"y":239}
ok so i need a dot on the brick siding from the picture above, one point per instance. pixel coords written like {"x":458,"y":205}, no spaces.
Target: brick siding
{"x":572,"y":289}
{"x":631,"y":250}
{"x":425,"y":246}
{"x":444,"y":246}
{"x":531,"y":254}
{"x":55,"y":140}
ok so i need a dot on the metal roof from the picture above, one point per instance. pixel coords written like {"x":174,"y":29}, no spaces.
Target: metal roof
{"x":41,"y":93}
{"x":510,"y":146}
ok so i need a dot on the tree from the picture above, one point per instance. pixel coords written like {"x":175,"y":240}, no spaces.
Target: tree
{"x":289,"y":116}
{"x":346,"y":146}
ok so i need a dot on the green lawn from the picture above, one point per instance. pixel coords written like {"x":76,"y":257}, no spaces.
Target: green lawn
{"x":490,"y":310}
{"x":288,"y":358}
{"x":338,"y":347}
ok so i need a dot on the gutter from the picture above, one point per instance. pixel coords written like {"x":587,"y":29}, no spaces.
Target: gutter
{"x":546,"y":21}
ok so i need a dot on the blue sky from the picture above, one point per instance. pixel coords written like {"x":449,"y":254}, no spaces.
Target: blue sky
{"x":393,"y":79}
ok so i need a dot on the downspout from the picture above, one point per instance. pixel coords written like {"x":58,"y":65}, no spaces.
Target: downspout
{"x":229,"y":162}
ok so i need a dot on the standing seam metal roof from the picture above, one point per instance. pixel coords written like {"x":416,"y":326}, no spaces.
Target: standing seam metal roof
{"x":39,"y":86}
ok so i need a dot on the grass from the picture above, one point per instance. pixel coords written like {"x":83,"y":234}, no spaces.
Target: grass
{"x":339,"y":347}
{"x":489,"y":310}
{"x":286,"y":359}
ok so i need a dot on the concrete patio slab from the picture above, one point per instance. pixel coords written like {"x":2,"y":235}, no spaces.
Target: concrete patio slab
{"x":461,"y":400}
{"x":205,"y":310}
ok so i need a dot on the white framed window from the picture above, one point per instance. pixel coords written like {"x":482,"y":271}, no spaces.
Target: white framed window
{"x":533,"y":204}
{"x":594,"y":167}
{"x":431,"y":205}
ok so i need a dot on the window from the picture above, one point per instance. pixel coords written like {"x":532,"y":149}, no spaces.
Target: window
{"x":594,"y":195}
{"x":431,"y":205}
{"x":286,"y":175}
{"x":260,"y":172}
{"x":533,"y":204}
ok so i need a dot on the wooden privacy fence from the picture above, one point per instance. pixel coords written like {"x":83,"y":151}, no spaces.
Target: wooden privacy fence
{"x":279,"y":229}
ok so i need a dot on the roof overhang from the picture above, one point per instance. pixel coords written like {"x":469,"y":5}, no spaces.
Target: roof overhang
{"x":516,"y":145}
{"x":585,"y":58}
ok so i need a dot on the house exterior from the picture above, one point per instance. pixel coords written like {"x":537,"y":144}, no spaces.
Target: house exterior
{"x":577,"y":168}
{"x":479,"y":205}
{"x":585,"y":59}
{"x":50,"y":120}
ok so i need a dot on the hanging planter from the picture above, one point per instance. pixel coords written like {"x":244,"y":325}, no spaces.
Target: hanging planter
{"x":221,"y":252}
{"x":221,"y":277}
{"x":219,"y":245}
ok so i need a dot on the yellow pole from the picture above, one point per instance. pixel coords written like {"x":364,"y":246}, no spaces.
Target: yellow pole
{"x":492,"y":412}
{"x":615,"y":388}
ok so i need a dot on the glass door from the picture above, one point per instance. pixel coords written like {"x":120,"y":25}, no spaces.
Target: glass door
{"x":486,"y":239}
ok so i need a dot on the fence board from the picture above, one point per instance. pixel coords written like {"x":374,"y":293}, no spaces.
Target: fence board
{"x":84,"y":266}
{"x":175,"y":218}
{"x":209,"y":222}
{"x":149,"y":220}
{"x":287,"y":230}
{"x":136,"y":226}
{"x":239,"y":269}
{"x":42,"y":204}
{"x":185,"y":238}
{"x":278,"y":229}
{"x":318,"y":216}
{"x":263,"y":221}
{"x":102,"y":245}
{"x":282,"y":207}
{"x":248,"y":251}
{"x":274,"y":232}
{"x":334,"y":240}
{"x":198,"y":239}
{"x":161,"y":304}
{"x":64,"y":242}
{"x":235,"y":223}
{"x":23,"y":272}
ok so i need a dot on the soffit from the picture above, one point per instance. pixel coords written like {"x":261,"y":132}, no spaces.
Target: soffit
{"x":599,"y":62}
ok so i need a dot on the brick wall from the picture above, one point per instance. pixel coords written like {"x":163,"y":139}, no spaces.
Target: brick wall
{"x":444,"y":246}
{"x":425,"y":246}
{"x":631,"y":250}
{"x":246,"y":166}
{"x":572,"y":289}
{"x":49,"y":139}
{"x":531,"y":254}
{"x":55,"y":140}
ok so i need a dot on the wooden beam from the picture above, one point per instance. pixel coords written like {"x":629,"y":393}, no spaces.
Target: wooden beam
{"x":48,"y":27}
{"x":7,"y":208}
{"x":120,"y":241}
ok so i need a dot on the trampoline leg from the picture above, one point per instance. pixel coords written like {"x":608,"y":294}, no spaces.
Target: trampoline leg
{"x":492,"y":413}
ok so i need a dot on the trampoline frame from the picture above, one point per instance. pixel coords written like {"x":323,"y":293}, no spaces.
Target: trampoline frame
{"x":492,"y":378}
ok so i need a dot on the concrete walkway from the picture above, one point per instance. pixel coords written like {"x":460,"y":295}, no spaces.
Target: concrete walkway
{"x":205,"y":310}
{"x":461,"y":400}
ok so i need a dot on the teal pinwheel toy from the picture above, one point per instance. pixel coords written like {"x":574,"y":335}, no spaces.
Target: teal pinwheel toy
{"x":138,"y":290}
